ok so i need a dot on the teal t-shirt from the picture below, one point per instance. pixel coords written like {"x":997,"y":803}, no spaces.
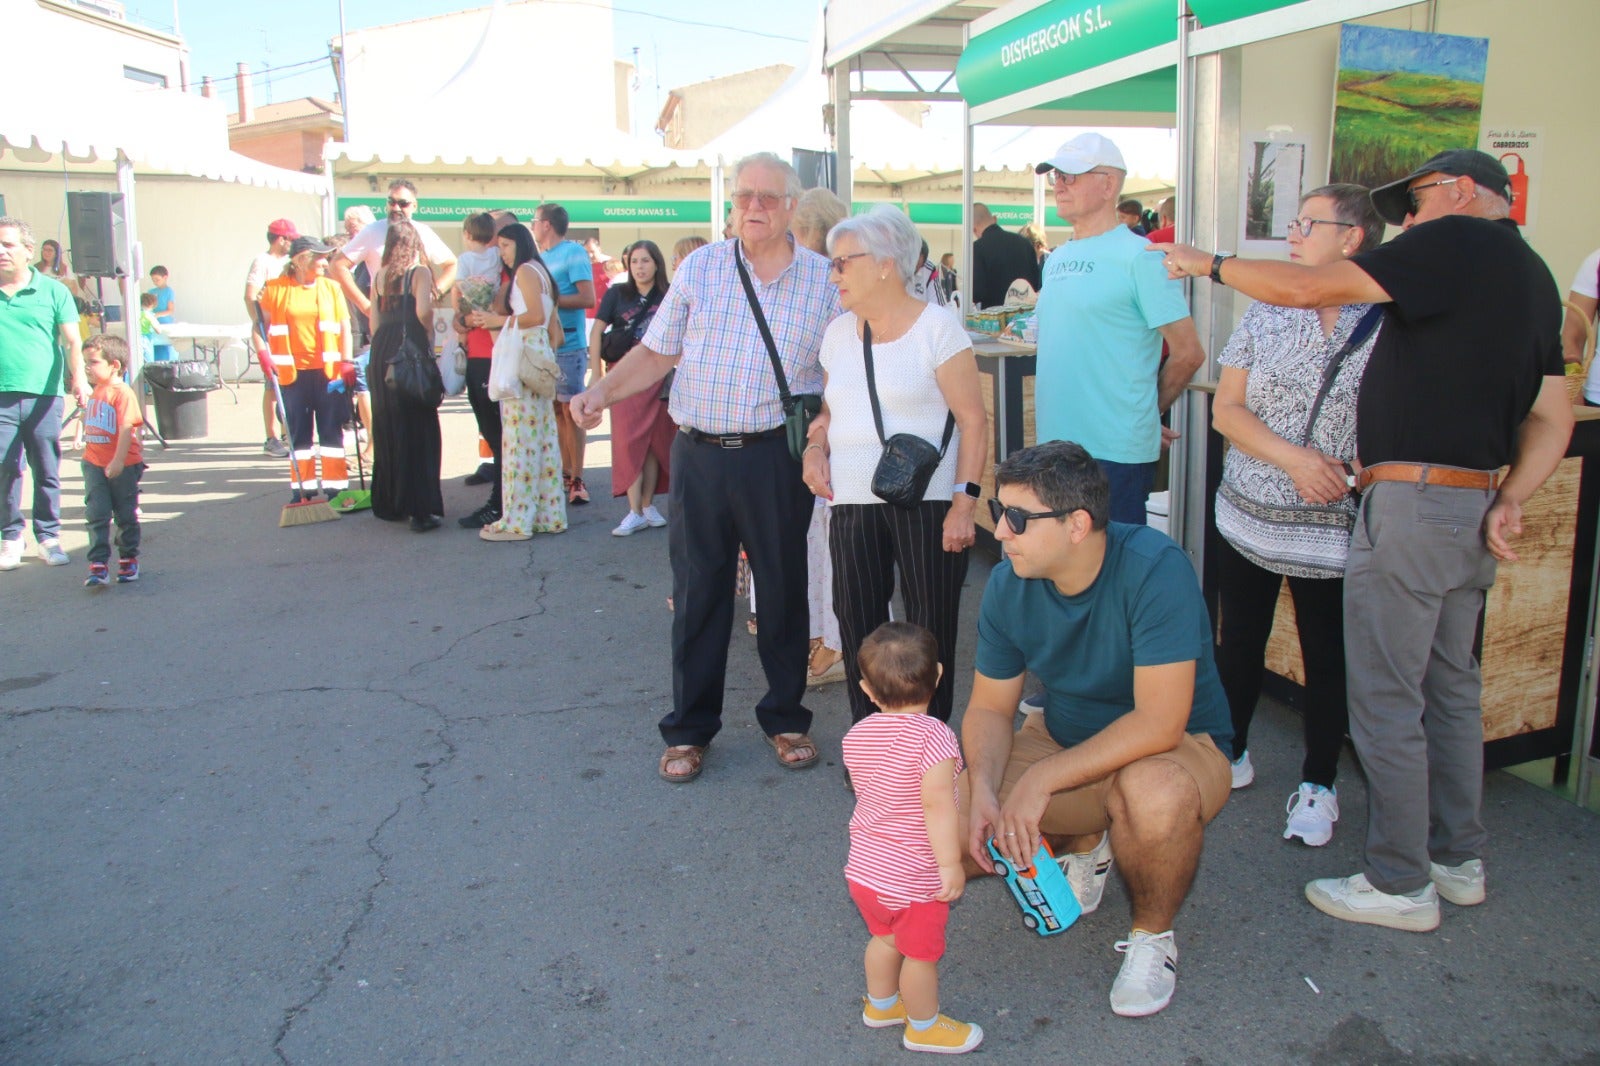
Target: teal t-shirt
{"x":568,"y":264}
{"x":1144,"y":609}
{"x":32,"y":360}
{"x":1102,"y":301}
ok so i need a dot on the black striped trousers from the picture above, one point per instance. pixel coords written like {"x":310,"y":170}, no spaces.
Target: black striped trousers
{"x":866,"y":542}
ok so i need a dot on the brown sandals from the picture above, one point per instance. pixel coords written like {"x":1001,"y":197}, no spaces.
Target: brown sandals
{"x":784,"y":746}
{"x":692,"y":754}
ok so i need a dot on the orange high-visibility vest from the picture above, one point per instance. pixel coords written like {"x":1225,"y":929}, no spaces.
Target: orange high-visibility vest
{"x":295,"y":339}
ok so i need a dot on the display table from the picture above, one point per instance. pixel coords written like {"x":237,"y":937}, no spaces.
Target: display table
{"x":208,"y":343}
{"x":1535,"y":620}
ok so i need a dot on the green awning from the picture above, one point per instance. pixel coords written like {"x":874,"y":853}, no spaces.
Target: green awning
{"x":581,"y":212}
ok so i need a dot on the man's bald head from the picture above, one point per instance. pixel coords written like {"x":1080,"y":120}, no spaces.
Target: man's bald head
{"x":982,"y":219}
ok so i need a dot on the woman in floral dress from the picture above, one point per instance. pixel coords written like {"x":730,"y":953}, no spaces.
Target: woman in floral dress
{"x":531,"y":477}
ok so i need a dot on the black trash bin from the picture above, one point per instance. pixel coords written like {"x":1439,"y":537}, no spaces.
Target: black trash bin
{"x":179,"y":390}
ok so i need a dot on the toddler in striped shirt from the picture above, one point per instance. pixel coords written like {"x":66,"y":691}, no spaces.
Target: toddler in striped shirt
{"x":904,"y":868}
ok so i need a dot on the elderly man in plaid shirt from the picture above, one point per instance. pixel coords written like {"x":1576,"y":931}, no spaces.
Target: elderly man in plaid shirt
{"x":733,"y":479}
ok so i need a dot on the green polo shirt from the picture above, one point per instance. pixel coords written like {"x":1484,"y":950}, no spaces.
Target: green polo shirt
{"x":32,"y":360}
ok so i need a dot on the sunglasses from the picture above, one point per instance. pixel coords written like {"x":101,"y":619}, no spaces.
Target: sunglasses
{"x":401,"y":203}
{"x":1411,"y":193}
{"x":769,"y":200}
{"x":1017,"y":518}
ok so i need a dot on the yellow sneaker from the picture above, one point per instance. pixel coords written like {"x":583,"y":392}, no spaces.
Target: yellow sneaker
{"x":945,"y":1037}
{"x":873,"y":1018}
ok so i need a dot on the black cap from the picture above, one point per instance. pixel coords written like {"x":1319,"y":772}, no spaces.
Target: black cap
{"x":1393,"y":200}
{"x":308,"y":244}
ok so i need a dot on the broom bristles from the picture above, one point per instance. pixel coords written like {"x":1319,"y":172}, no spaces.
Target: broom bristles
{"x":306,"y":513}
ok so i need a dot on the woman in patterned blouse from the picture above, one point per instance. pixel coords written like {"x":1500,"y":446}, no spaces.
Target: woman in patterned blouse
{"x":1284,"y":508}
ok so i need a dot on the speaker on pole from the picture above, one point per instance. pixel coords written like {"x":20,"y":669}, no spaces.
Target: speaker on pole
{"x":97,"y":226}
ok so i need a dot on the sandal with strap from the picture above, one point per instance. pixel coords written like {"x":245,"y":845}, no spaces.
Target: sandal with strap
{"x":784,"y":746}
{"x":692,"y":754}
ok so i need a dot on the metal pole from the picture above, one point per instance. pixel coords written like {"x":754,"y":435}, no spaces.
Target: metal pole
{"x":344,"y":87}
{"x":843,"y":168}
{"x":1188,"y":446}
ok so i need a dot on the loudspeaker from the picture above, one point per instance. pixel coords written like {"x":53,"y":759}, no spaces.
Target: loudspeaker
{"x":97,"y":226}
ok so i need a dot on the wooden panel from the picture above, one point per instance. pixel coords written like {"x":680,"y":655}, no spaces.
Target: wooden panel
{"x":1283,"y":646}
{"x":1525,"y":621}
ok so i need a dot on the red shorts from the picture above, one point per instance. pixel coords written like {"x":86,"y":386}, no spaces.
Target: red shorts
{"x":918,"y":928}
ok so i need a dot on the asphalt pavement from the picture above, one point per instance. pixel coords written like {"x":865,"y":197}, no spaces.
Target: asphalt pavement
{"x":347,"y":794}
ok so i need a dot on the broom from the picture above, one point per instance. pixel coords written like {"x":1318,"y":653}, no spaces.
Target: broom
{"x":348,"y":500}
{"x":306,"y":512}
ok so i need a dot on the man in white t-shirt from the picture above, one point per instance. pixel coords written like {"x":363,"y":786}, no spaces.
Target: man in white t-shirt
{"x":263,"y":268}
{"x":1576,"y":331}
{"x":367,"y":247}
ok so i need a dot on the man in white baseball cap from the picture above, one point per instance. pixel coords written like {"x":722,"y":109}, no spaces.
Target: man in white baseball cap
{"x":1103,"y":312}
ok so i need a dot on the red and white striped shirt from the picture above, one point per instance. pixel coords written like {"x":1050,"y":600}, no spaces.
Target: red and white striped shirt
{"x":887,"y":756}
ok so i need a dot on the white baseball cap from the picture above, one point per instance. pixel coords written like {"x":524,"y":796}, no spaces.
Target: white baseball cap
{"x":1082,"y":154}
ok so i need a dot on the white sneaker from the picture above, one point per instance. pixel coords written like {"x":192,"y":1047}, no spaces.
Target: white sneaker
{"x":10,"y":554}
{"x":630,"y":524}
{"x":1461,"y":885}
{"x":1087,"y":873}
{"x":1312,"y":812}
{"x":1353,"y":899}
{"x":654,"y":517}
{"x":1033,"y":704}
{"x":1148,"y":976}
{"x":1243,"y":772}
{"x":50,"y":551}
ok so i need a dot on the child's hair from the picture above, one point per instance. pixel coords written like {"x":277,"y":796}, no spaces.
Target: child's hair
{"x":158,"y":271}
{"x":480,"y":227}
{"x":900,"y":662}
{"x":112,"y":348}
{"x":147,"y":299}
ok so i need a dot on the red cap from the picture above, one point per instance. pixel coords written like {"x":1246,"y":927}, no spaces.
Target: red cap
{"x":283,"y":228}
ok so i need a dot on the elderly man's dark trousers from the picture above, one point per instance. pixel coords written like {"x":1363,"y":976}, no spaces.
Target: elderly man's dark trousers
{"x":722,"y":498}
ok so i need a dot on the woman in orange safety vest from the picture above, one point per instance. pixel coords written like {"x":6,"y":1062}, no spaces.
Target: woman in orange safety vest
{"x":308,"y":335}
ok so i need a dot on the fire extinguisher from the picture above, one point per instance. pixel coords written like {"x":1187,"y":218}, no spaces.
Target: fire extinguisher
{"x":1519,"y":190}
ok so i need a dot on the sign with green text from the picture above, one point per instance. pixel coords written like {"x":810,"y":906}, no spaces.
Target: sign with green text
{"x":581,"y":212}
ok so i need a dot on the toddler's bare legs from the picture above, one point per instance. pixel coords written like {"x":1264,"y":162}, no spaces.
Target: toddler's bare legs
{"x":915,"y":980}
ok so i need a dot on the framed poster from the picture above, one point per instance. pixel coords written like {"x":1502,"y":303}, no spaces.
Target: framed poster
{"x":1274,"y":170}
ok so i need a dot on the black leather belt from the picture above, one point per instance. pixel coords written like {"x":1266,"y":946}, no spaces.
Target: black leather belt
{"x":730,"y":440}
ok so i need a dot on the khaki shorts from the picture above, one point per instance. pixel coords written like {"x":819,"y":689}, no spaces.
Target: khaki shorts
{"x":1082,"y":810}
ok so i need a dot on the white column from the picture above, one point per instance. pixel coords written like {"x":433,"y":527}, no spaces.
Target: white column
{"x":844,"y":168}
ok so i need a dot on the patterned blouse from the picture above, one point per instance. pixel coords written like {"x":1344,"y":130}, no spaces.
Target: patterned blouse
{"x":1259,"y":511}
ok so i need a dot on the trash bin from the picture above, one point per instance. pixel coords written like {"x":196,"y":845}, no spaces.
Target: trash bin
{"x":179,"y":390}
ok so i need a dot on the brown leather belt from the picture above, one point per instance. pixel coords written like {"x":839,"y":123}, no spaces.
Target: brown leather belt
{"x":1454,"y":477}
{"x":730,"y":440}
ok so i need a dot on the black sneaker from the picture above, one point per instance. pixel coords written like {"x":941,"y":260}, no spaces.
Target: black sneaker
{"x":481,"y":517}
{"x":484,"y":475}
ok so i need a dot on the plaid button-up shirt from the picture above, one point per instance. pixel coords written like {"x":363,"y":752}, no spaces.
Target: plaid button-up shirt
{"x":725,"y":382}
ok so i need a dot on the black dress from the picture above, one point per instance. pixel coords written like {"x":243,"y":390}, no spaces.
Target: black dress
{"x":406,"y":446}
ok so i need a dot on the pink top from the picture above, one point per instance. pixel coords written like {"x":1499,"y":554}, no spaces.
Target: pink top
{"x":887,"y":756}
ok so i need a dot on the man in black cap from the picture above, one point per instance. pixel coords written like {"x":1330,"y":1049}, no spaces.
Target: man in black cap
{"x":1466,"y":377}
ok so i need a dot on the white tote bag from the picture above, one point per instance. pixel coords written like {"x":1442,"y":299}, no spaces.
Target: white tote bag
{"x":505,"y":383}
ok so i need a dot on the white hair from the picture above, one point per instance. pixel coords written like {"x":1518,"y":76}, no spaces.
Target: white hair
{"x":885,"y":233}
{"x":1490,"y":203}
{"x":791,"y":180}
{"x":360,"y":212}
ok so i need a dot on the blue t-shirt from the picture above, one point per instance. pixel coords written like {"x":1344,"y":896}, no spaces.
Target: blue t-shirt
{"x":568,"y":264}
{"x":164,"y":297}
{"x":1102,"y":302}
{"x":1143,"y":609}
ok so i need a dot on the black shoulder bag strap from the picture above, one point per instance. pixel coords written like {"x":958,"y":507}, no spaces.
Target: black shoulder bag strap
{"x":872,"y":394}
{"x":1358,"y":336}
{"x":761,"y":324}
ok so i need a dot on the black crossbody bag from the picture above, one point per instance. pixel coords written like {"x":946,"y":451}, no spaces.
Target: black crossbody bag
{"x":908,"y":462}
{"x":798,"y":409}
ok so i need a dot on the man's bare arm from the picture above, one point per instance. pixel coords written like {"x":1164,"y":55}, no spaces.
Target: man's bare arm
{"x":1185,"y":356}
{"x":339,"y":268}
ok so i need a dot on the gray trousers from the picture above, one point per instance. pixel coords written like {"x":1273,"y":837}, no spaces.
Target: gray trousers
{"x":1413,"y":595}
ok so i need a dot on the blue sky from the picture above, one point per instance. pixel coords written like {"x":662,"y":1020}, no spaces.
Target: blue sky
{"x":673,"y":48}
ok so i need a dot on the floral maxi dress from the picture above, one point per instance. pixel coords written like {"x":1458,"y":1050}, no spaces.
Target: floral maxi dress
{"x":530,"y":450}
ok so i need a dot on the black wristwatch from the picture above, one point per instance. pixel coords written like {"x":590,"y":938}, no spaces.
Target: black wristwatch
{"x":970,"y":488}
{"x":1216,"y":265}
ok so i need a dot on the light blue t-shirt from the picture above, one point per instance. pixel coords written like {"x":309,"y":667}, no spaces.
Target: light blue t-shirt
{"x":568,"y":264}
{"x":1103,"y":300}
{"x":1143,"y":609}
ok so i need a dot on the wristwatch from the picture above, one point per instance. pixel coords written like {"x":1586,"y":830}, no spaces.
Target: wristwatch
{"x":970,"y":488}
{"x":1216,"y":265}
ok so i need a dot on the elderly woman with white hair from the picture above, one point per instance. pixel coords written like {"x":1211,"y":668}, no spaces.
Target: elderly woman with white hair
{"x":918,"y":362}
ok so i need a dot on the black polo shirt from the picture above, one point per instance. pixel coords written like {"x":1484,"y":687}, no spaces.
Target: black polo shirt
{"x":1000,"y":257}
{"x":1473,"y":328}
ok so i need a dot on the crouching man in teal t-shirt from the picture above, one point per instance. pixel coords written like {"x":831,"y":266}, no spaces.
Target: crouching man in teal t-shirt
{"x":1131,"y":753}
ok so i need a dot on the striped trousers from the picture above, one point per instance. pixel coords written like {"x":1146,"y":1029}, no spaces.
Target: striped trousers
{"x":866,"y":542}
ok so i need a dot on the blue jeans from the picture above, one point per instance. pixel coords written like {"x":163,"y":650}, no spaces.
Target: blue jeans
{"x":104,"y":497}
{"x":30,"y":426}
{"x":1130,"y":487}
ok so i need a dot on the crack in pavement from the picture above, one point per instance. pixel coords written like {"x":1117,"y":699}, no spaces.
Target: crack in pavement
{"x":190,"y":704}
{"x":538,"y":609}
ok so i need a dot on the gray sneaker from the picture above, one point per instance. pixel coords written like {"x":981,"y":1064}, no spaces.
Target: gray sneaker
{"x":1461,"y":885}
{"x":1353,"y":899}
{"x":276,"y":448}
{"x":50,"y":551}
{"x":1148,"y":976}
{"x":1087,"y":873}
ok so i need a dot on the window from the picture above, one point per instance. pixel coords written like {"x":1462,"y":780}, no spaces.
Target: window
{"x":145,"y":76}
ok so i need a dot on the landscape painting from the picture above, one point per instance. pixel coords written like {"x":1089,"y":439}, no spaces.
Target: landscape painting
{"x":1403,"y":96}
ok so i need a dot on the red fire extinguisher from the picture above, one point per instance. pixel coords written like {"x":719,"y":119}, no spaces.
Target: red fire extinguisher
{"x":1519,"y":189}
